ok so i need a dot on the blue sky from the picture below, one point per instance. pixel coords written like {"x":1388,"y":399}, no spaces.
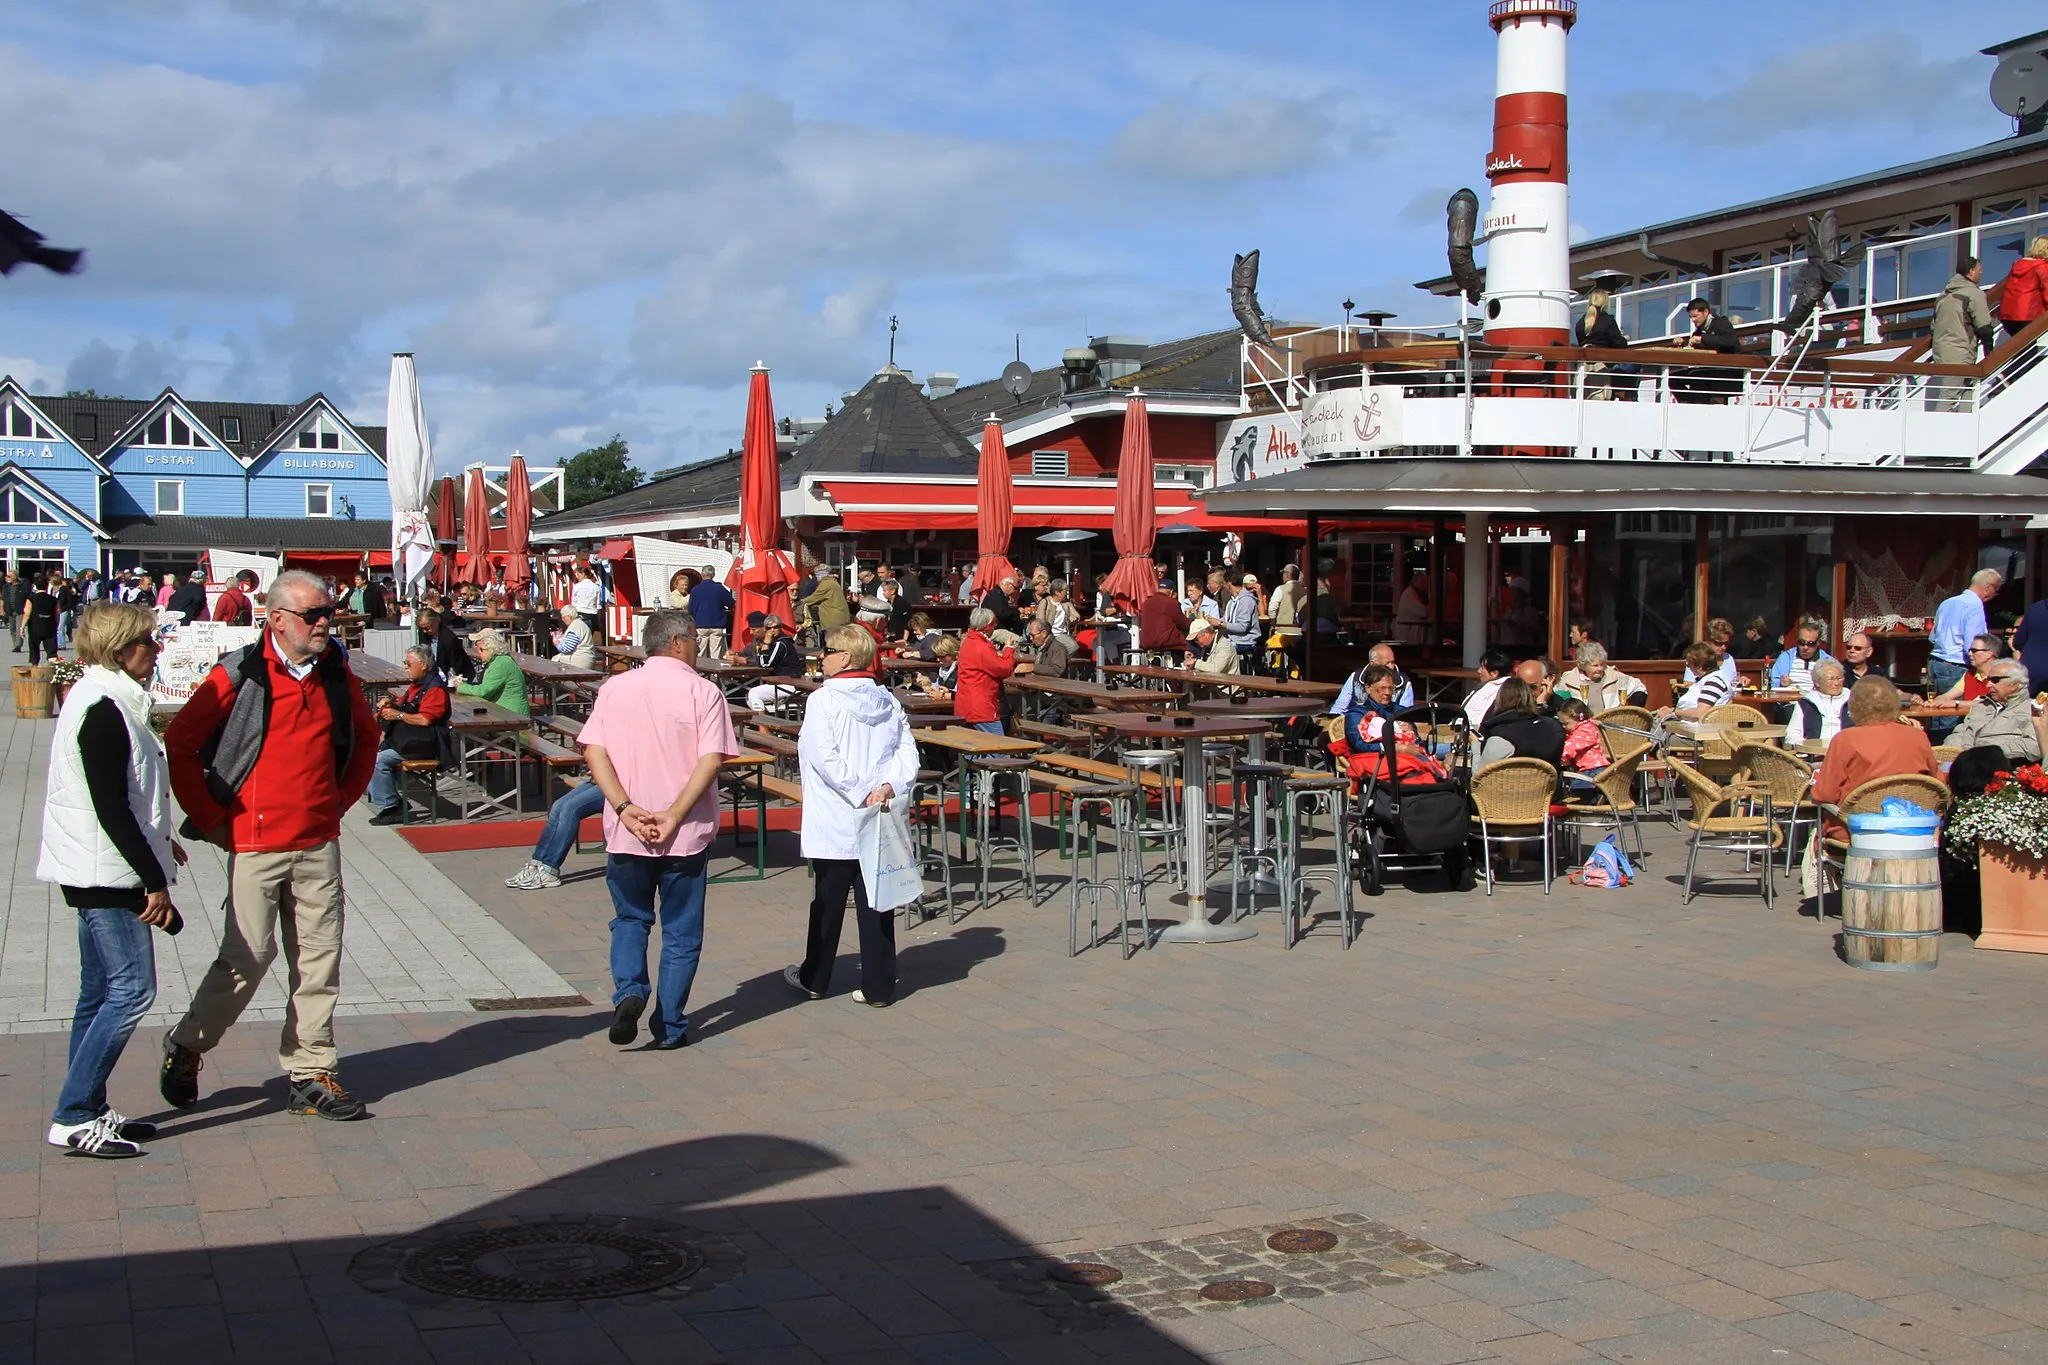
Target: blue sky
{"x":590,"y":216}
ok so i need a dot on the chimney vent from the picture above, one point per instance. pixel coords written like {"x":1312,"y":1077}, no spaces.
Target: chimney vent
{"x":942,"y":382}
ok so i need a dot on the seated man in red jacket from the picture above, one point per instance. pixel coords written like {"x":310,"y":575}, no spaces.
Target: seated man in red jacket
{"x":1162,"y":625}
{"x":277,"y":742}
{"x":978,"y":695}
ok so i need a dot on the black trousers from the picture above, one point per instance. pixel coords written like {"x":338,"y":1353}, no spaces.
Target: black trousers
{"x":831,"y":879}
{"x":41,"y":645}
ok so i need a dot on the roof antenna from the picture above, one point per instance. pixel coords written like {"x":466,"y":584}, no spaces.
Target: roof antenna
{"x":892,"y":341}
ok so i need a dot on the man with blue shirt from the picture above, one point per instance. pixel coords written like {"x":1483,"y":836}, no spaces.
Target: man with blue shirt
{"x":1381,"y":653}
{"x":711,"y":609}
{"x":1792,"y":671}
{"x":1957,"y":621}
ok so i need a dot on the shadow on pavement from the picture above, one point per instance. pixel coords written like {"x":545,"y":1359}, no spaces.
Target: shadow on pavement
{"x":827,"y":1276}
{"x":919,"y":967}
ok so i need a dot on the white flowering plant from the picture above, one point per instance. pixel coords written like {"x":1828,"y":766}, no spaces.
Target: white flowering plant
{"x":64,"y":672}
{"x":2013,"y":810}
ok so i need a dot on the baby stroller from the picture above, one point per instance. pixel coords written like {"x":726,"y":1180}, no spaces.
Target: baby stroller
{"x":1410,"y":816}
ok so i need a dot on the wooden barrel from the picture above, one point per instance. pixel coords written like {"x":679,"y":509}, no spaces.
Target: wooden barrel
{"x":1891,"y":902}
{"x":32,"y":692}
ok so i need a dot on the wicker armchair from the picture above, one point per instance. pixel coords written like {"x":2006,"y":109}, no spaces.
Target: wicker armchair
{"x":1791,"y":782}
{"x":1735,"y":818}
{"x":1512,"y":800}
{"x":1612,"y":802}
{"x":1739,"y":715}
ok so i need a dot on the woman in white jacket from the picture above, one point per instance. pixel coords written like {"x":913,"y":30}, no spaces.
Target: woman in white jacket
{"x":854,"y":751}
{"x":107,"y":845}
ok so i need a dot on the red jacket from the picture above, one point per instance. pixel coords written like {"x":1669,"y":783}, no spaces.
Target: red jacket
{"x":979,"y":694}
{"x":292,"y":799}
{"x":233,"y":608}
{"x":2026,"y":291}
{"x":1161,"y":623}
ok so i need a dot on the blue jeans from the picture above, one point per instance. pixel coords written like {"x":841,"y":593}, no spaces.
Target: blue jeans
{"x":116,"y":987}
{"x":577,"y":805}
{"x":1941,"y":676}
{"x":384,"y":779}
{"x":635,"y":881}
{"x":994,"y":727}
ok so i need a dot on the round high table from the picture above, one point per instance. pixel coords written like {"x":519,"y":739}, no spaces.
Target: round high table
{"x":1266,"y":709}
{"x":1192,"y":731}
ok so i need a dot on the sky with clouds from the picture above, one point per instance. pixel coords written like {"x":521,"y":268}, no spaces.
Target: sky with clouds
{"x":592,"y":216}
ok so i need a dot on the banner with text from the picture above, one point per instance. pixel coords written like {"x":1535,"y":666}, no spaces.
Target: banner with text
{"x":1350,"y":421}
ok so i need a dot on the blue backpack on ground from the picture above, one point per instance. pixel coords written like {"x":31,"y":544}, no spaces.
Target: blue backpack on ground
{"x":1606,"y":866}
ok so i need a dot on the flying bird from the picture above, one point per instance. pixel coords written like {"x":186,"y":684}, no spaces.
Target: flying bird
{"x":20,"y":243}
{"x":1244,"y":301}
{"x":1461,"y":216}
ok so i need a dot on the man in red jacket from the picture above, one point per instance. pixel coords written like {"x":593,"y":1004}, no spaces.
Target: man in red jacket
{"x":234,"y":607}
{"x":1162,"y":625}
{"x":277,"y":742}
{"x":978,"y":693}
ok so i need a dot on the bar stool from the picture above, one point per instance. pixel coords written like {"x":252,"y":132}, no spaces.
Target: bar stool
{"x":1117,"y":802}
{"x":989,"y":774}
{"x":1168,"y":827}
{"x":1220,"y":759}
{"x":1248,"y":860}
{"x":1300,"y":797}
{"x":928,"y":826}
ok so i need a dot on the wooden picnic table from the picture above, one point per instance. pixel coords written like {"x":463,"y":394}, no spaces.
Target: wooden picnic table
{"x":627,"y":655}
{"x":748,"y":763}
{"x":1193,"y":731}
{"x":486,"y":734}
{"x":902,"y":663}
{"x":556,"y":677}
{"x":372,"y":671}
{"x":1094,"y":694}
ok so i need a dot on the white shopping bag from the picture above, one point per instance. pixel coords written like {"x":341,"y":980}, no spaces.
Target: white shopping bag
{"x":889,"y":864}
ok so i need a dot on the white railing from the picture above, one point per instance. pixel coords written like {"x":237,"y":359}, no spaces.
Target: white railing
{"x":1892,"y":273}
{"x":1276,"y":371}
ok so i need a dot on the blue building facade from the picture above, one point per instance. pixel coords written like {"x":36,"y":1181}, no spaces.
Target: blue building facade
{"x":109,"y":483}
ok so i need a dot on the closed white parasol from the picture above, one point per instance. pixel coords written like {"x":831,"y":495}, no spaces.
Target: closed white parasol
{"x":409,"y":468}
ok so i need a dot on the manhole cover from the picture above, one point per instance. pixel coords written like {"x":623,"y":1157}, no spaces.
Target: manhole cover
{"x":560,"y":1259}
{"x":1302,"y":1241}
{"x":1236,"y":1291}
{"x":1085,"y":1273}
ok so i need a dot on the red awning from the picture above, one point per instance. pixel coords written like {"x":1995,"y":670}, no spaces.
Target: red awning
{"x":614,"y":549}
{"x":950,"y":507}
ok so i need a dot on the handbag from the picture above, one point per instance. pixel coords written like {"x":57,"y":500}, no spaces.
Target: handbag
{"x":889,"y":865}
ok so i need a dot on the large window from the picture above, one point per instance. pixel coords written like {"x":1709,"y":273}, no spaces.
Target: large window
{"x":320,"y":434}
{"x":170,"y":429}
{"x":18,"y":509}
{"x":16,"y":420}
{"x":319,"y":499}
{"x":170,"y":497}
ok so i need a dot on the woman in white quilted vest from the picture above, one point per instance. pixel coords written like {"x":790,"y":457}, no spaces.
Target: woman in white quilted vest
{"x":107,"y":845}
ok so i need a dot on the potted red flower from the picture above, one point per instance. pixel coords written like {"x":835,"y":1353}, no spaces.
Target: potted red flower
{"x":2007,"y":828}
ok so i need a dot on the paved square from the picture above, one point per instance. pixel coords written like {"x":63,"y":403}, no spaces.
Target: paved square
{"x":1667,"y":1134}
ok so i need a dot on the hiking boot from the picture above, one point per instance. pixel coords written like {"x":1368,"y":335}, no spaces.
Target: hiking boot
{"x":793,"y":975}
{"x":534,"y":877}
{"x":321,"y":1094}
{"x":100,"y":1137}
{"x":390,"y":815}
{"x":178,"y":1079}
{"x":626,"y":1019}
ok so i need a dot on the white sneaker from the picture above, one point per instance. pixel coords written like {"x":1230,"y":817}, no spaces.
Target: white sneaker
{"x":534,"y":877}
{"x":861,"y":999}
{"x":97,"y":1138}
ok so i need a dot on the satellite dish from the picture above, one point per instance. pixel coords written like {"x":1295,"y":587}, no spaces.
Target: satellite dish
{"x":1017,"y":378}
{"x":2020,"y":84}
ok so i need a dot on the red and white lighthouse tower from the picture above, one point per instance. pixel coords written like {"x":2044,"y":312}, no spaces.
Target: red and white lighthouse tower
{"x":1527,"y":226}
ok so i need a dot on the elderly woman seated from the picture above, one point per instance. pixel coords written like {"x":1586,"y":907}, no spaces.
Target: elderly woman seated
{"x":1373,"y":708}
{"x":1822,"y":709}
{"x":415,"y":722}
{"x":501,"y":681}
{"x":1601,"y":687}
{"x":2004,"y":715}
{"x":574,"y":644}
{"x":1878,"y":741}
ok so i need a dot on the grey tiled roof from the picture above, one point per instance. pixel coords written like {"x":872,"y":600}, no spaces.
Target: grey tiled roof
{"x":1204,"y":364}
{"x":106,"y":418}
{"x":251,"y":533}
{"x":704,"y":484}
{"x":889,"y":427}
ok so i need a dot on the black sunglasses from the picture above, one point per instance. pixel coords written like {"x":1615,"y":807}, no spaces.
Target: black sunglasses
{"x":312,"y":616}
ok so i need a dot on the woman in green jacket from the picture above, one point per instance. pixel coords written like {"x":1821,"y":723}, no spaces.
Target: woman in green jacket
{"x":501,"y":683}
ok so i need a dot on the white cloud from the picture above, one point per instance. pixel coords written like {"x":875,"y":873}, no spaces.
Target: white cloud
{"x":1255,"y":136}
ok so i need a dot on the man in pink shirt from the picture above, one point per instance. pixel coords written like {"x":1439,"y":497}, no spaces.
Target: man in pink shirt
{"x":654,"y":742}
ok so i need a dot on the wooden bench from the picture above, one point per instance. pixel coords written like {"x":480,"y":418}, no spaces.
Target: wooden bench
{"x":781,"y":788}
{"x":428,"y":768}
{"x":550,"y":754}
{"x":1098,"y":771}
{"x":777,"y":725}
{"x":568,"y":727}
{"x":1060,"y":736}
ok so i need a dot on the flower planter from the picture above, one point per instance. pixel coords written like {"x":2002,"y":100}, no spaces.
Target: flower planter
{"x":2015,"y":899}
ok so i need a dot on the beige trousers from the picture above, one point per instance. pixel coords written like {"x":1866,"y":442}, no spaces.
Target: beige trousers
{"x":296,"y":896}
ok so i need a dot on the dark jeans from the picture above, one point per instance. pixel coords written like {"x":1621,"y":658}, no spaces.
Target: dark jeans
{"x":577,"y":805}
{"x":636,"y":883}
{"x":831,"y":879}
{"x":41,"y":646}
{"x":116,"y":987}
{"x":1941,"y":676}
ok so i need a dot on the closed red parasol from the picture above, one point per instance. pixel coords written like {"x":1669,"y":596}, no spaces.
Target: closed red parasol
{"x":476,"y":533}
{"x":444,"y":528}
{"x":762,"y":575}
{"x":518,"y":525}
{"x":994,"y":520}
{"x":1137,"y":516}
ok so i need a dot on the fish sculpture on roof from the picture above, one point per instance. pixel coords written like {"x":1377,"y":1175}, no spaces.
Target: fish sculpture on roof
{"x":1826,"y":263}
{"x":1461,"y":216}
{"x":1244,"y":301}
{"x":20,"y":243}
